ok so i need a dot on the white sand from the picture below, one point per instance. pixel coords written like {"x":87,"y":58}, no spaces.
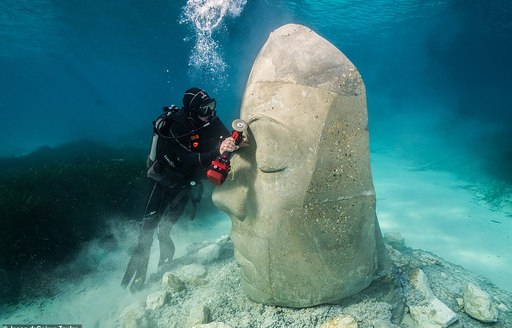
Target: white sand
{"x":435,"y":211}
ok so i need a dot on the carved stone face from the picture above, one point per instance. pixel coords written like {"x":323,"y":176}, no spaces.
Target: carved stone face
{"x":300,"y":196}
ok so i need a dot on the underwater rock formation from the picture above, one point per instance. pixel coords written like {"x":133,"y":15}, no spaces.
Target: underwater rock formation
{"x":430,"y":286}
{"x":301,"y":195}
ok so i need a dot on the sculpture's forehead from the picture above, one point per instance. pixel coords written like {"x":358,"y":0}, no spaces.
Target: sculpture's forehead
{"x":299,"y":108}
{"x":286,"y":134}
{"x":259,"y":119}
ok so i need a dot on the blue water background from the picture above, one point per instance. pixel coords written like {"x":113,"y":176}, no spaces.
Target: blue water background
{"x":438,"y":74}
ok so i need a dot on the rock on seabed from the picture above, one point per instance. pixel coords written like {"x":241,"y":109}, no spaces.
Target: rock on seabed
{"x":478,"y":304}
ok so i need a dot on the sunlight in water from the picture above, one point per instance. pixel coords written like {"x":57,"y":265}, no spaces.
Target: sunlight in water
{"x":207,"y":17}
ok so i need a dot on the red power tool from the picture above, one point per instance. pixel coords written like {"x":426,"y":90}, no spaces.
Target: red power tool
{"x":220,"y":167}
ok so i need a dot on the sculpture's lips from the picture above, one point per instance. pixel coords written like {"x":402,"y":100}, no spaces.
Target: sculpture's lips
{"x":237,"y":216}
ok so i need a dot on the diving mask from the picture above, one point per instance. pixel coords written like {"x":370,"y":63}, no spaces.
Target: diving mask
{"x":208,"y":108}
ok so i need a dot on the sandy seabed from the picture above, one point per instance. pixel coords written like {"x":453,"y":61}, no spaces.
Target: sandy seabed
{"x":433,"y":210}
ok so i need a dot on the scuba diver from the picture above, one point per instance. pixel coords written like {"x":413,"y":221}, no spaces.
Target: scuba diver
{"x":185,"y":142}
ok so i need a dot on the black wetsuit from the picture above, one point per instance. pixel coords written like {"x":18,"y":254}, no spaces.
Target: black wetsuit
{"x":192,"y":153}
{"x":184,"y":151}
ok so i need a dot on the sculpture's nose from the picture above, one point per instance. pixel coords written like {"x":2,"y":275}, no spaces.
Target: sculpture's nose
{"x":231,"y":197}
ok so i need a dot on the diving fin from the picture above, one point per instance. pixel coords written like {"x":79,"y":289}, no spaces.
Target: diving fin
{"x":137,"y":269}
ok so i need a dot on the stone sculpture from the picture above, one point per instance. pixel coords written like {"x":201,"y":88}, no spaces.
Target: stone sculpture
{"x":301,"y":195}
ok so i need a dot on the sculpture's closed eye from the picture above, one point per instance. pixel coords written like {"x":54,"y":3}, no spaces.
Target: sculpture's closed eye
{"x":272,"y":169}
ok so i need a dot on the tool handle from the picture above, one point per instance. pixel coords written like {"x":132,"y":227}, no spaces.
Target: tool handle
{"x":238,"y":136}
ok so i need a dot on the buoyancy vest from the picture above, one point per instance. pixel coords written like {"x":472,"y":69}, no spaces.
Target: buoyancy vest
{"x":166,"y":169}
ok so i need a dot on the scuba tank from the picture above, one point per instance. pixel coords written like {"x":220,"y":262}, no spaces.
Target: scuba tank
{"x":155,"y":170}
{"x":157,"y":125}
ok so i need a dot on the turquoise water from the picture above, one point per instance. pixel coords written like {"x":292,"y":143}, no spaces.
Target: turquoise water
{"x":437,"y":74}
{"x":434,"y":70}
